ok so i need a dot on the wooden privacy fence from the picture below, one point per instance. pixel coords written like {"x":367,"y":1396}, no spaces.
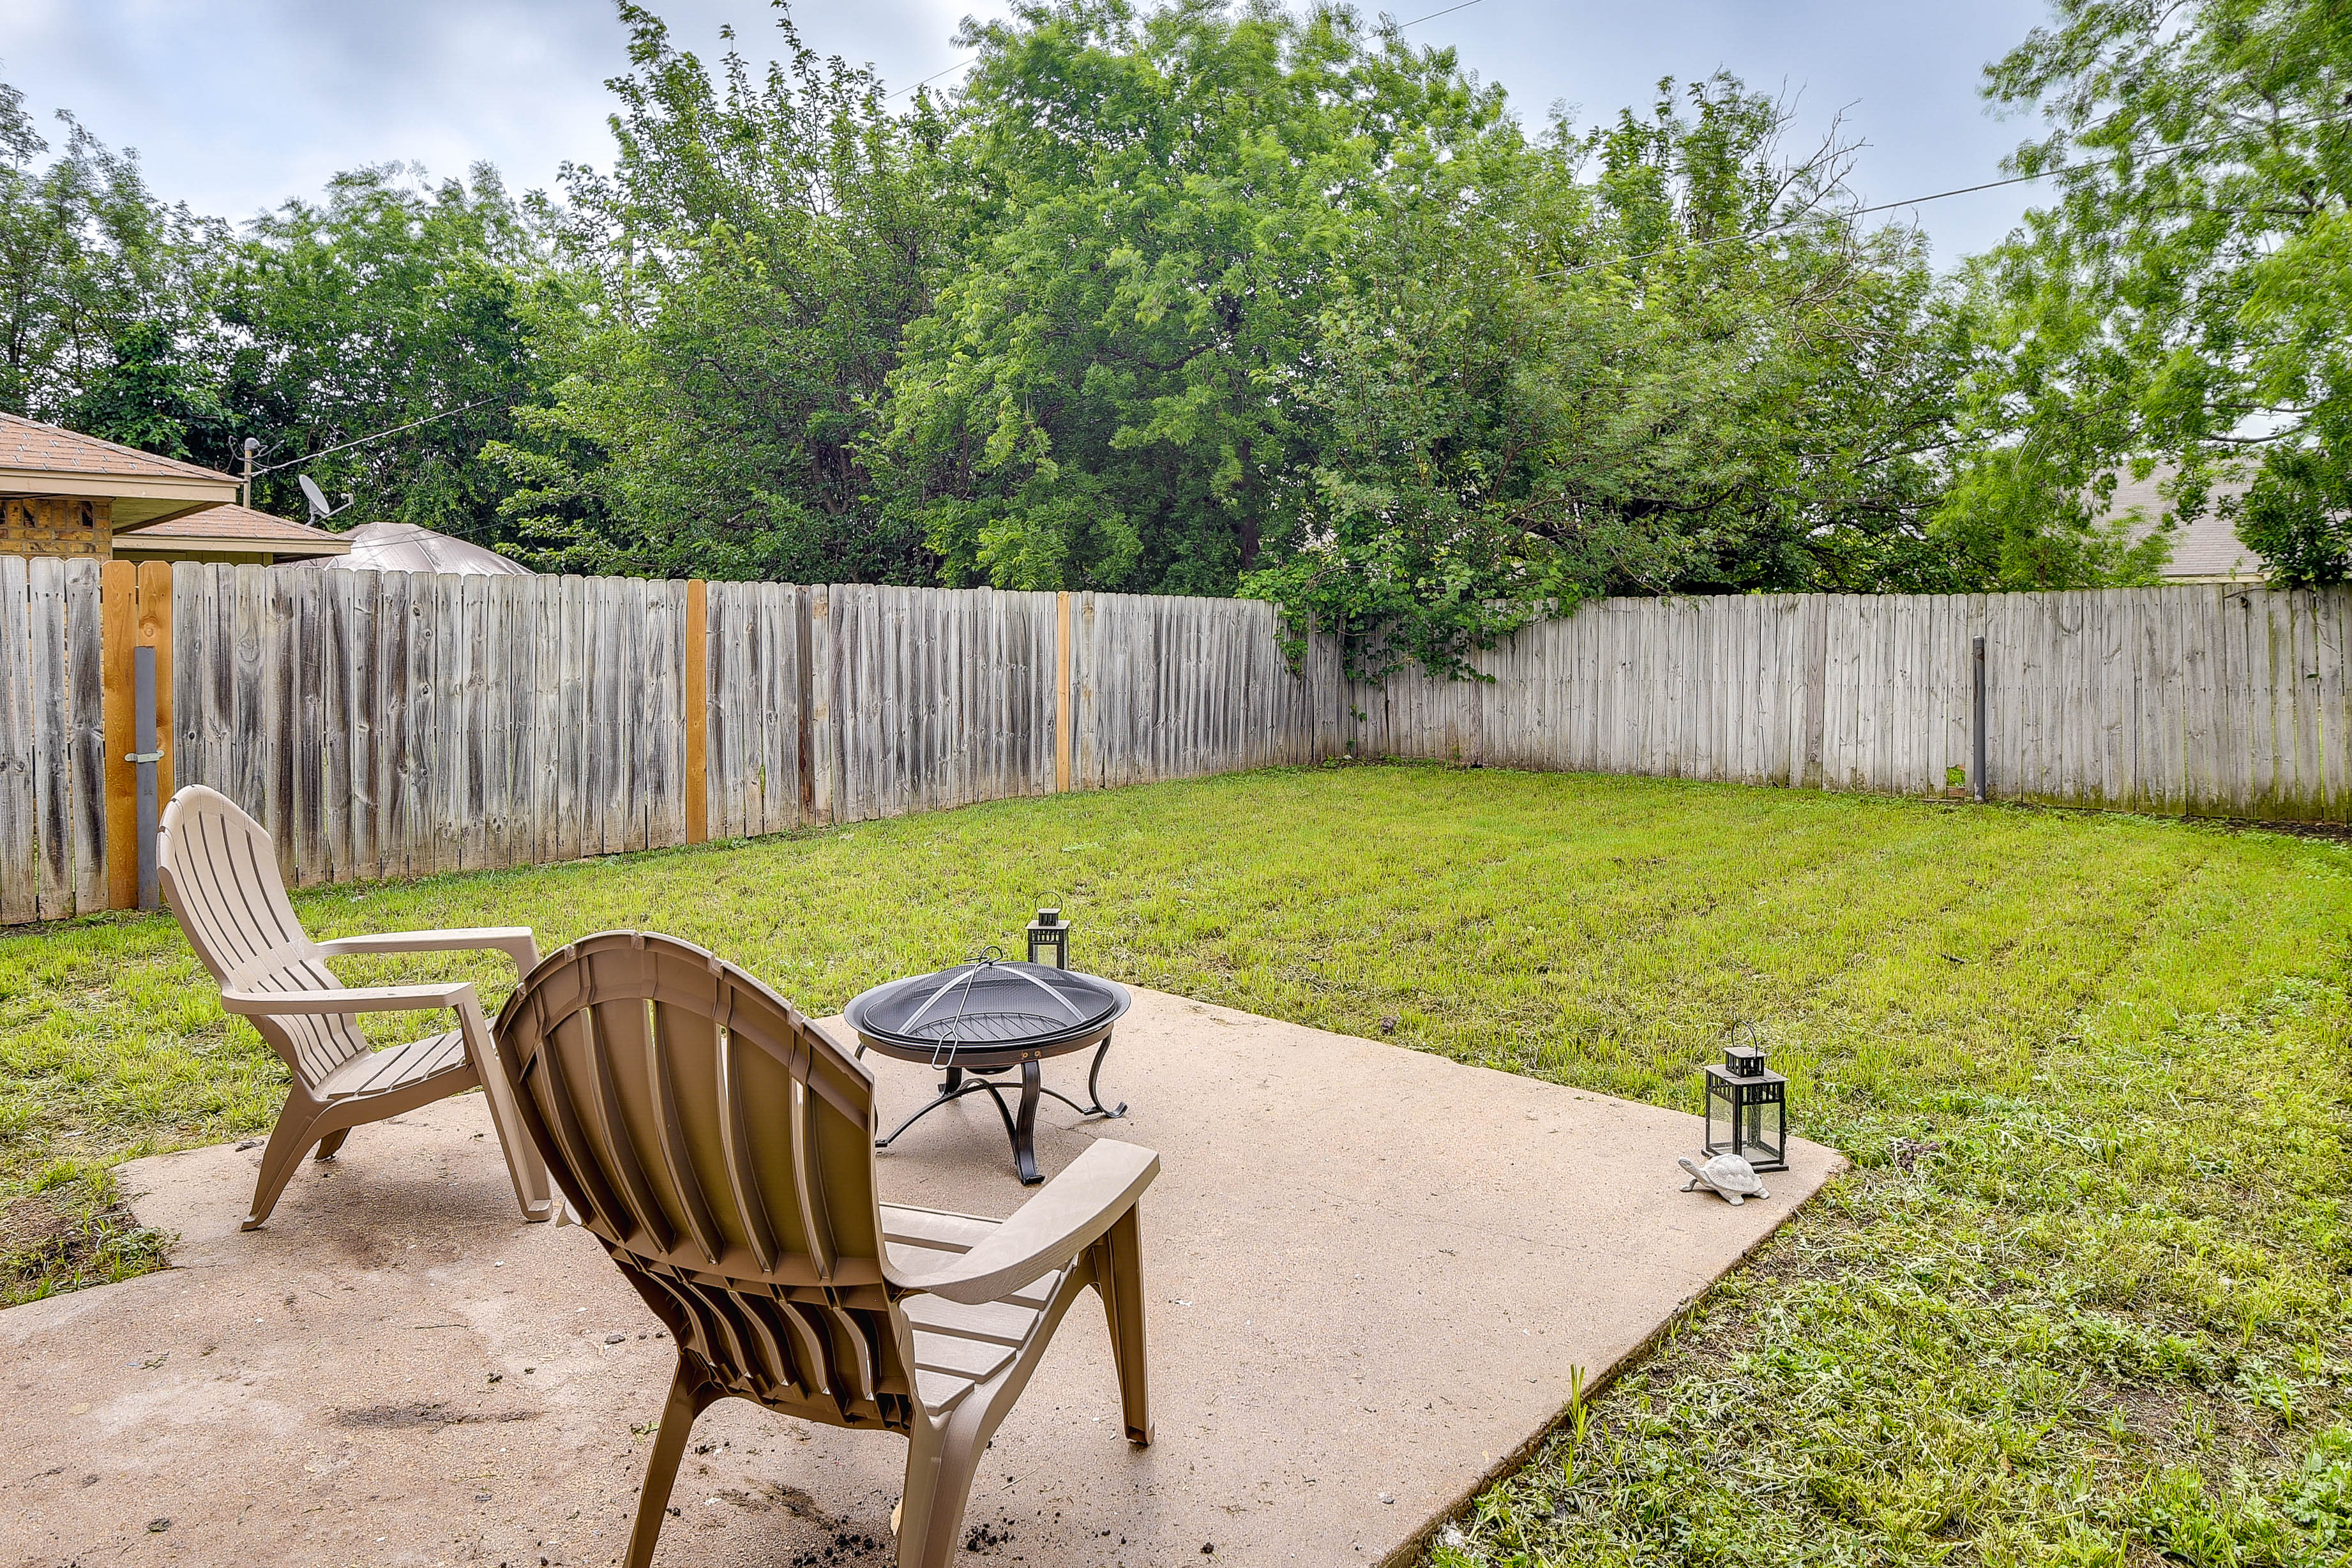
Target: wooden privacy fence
{"x":2224,"y":701}
{"x":398,"y":724}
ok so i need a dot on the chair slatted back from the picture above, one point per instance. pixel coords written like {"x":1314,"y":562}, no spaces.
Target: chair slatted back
{"x":217,"y":872}
{"x":722,"y":1149}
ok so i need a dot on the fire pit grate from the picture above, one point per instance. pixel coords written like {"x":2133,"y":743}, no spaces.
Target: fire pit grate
{"x":988,"y":1016}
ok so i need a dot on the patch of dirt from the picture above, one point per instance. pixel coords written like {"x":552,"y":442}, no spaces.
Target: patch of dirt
{"x":986,"y":1537}
{"x":438,"y":1413}
{"x":848,"y":1546}
{"x":2152,"y":1412}
{"x":43,"y":1239}
{"x":34,"y":1225}
{"x":1910,"y":1154}
{"x":766,"y":1495}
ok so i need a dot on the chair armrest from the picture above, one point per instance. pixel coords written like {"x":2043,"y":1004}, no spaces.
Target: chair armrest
{"x":353,"y":999}
{"x":1069,"y":1214}
{"x":515,"y":941}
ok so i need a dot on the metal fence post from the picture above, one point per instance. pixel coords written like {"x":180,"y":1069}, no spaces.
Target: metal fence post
{"x":145,"y":756}
{"x":1977,"y":738}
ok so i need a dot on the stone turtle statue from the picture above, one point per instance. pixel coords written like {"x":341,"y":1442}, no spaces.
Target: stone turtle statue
{"x":1728,"y":1174}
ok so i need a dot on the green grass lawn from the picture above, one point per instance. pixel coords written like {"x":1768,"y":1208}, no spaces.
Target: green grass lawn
{"x":2084,"y":1299}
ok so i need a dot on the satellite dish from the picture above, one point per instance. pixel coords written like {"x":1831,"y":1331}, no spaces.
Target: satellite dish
{"x":320,"y":510}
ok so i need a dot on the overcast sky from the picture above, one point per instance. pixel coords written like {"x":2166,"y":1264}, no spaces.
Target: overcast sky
{"x":236,"y":105}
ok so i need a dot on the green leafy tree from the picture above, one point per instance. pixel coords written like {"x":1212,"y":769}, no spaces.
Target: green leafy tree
{"x":390,"y":302}
{"x":2297,"y":516}
{"x":2184,"y":297}
{"x":1645,"y":358}
{"x":739,"y":285}
{"x":89,"y":257}
{"x":153,"y":396}
{"x":1111,"y":391}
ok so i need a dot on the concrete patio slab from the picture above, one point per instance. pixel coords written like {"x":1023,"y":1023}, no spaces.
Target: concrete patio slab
{"x":1373,"y":1273}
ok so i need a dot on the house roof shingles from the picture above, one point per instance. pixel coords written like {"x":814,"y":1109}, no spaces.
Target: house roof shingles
{"x":233,"y":529}
{"x":29,"y":444}
{"x":2207,"y":549}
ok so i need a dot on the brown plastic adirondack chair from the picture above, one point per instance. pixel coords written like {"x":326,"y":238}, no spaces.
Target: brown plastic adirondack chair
{"x":219,"y":875}
{"x":722,"y":1149}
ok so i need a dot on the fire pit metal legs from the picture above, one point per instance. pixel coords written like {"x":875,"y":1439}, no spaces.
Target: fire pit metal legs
{"x":1020,"y":1127}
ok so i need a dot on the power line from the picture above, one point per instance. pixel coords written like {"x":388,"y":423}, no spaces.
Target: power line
{"x":361,"y":441}
{"x":932,"y":77}
{"x":1434,"y":15}
{"x":1400,"y":26}
{"x":1770,"y":229}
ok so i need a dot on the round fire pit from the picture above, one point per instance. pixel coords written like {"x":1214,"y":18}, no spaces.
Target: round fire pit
{"x":987,"y":1017}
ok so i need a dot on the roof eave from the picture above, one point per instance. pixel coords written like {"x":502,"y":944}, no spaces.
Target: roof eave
{"x":195,"y":494}
{"x":183,"y":545}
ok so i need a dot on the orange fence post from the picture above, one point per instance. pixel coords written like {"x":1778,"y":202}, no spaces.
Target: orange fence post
{"x":697,"y":710}
{"x":135,"y":611}
{"x":118,"y":623}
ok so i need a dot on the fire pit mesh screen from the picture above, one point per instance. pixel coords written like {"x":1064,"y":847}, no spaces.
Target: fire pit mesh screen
{"x":987,"y":1003}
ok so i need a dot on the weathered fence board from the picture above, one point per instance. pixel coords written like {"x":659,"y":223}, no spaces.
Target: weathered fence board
{"x":52,"y":716}
{"x":390,"y":725}
{"x":19,"y":822}
{"x":1170,"y":687}
{"x":922,"y":699}
{"x":86,"y":766}
{"x":52,"y":740}
{"x":2221,"y":702}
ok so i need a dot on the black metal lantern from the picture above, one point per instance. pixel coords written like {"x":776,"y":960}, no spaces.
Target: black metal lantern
{"x":1747,"y":1110}
{"x":1049,"y":940}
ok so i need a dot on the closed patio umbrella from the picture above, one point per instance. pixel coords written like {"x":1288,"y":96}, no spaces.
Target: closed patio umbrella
{"x":407,"y":547}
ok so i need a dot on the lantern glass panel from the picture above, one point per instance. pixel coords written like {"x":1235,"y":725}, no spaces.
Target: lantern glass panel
{"x":1049,"y":940}
{"x":1747,"y":1116}
{"x":1719,"y":1114}
{"x":1764,"y":1129}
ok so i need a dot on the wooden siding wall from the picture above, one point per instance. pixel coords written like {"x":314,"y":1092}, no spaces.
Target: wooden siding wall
{"x":393,"y":725}
{"x":2201,"y":701}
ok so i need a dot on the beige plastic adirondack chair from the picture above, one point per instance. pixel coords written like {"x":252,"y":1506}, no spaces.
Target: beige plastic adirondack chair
{"x":218,"y":874}
{"x":722,"y":1149}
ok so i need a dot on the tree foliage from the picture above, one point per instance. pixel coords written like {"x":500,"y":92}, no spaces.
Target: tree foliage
{"x":1269,"y":300}
{"x":1108,"y":393}
{"x":393,"y":301}
{"x":739,"y":284}
{"x":88,"y":253}
{"x":2184,"y":298}
{"x":1226,"y":295}
{"x":1646,"y":358}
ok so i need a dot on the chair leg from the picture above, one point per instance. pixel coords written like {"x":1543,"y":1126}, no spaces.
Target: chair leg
{"x":1118,"y":1280}
{"x":940,"y":1463}
{"x":330,"y":1142}
{"x":688,"y":1399}
{"x":288,"y":1143}
{"x":534,"y":1193}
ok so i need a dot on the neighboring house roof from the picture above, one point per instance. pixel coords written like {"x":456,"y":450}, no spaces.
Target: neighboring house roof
{"x":39,"y":460}
{"x":407,"y":547}
{"x":234,"y":530}
{"x":2205,"y":550}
